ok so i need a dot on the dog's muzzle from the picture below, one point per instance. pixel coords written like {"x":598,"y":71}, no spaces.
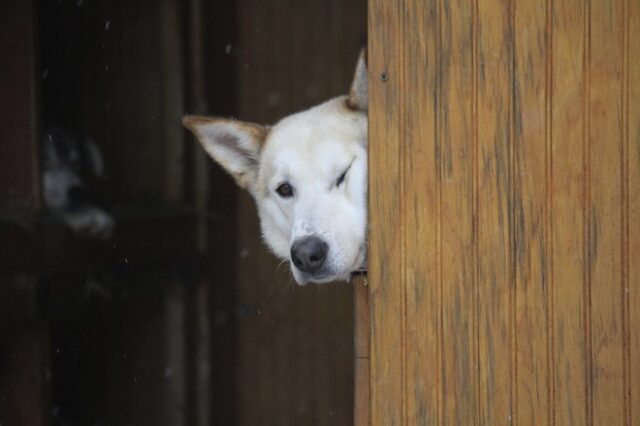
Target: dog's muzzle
{"x":308,"y":254}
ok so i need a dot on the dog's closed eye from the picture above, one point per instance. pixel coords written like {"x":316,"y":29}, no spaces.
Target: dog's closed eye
{"x":343,"y":176}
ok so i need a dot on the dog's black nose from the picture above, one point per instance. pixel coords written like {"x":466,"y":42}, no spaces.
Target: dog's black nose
{"x":309,"y":254}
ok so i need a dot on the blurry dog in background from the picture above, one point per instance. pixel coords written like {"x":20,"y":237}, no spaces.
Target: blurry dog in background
{"x":68,"y":165}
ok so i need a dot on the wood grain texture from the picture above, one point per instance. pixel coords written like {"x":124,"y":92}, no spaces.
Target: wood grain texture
{"x":632,"y":142}
{"x":455,"y":157}
{"x":530,"y":181}
{"x":605,"y":207}
{"x":570,"y":349}
{"x":420,"y":186}
{"x":503,"y":183}
{"x":495,"y":217}
{"x":361,"y":323}
{"x":386,"y":241}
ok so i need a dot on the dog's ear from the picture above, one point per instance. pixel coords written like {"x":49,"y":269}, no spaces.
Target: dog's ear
{"x":235,"y":145}
{"x":359,"y":93}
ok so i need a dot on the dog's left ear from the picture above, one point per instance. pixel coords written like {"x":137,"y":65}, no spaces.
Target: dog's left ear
{"x":359,"y":93}
{"x":235,"y":145}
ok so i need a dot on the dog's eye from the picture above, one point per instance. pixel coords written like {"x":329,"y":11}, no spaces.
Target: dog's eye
{"x":285,"y":190}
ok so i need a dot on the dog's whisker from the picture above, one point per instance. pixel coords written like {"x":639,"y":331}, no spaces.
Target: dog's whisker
{"x":277,"y":275}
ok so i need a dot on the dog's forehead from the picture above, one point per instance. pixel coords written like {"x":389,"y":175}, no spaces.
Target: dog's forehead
{"x":318,"y":139}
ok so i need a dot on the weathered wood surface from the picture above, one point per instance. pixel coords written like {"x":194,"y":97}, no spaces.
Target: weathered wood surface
{"x":504,"y":206}
{"x":361,"y":338}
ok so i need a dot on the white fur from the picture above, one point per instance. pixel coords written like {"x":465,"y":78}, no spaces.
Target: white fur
{"x":309,"y":150}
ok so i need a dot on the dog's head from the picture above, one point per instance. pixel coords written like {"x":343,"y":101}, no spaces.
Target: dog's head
{"x":67,"y":164}
{"x":308,"y":175}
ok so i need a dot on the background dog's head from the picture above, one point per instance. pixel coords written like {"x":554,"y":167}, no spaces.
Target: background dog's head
{"x":69,"y":166}
{"x":308,"y":175}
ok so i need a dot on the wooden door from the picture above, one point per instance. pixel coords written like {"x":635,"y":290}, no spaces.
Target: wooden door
{"x":505,"y":212}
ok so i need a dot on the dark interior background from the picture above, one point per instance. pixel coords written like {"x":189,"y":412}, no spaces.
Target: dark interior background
{"x":182,"y":317}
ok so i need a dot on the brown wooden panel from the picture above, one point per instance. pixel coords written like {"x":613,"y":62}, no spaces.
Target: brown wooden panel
{"x":361,"y":324}
{"x":455,"y":157}
{"x":568,"y":274}
{"x":604,"y":168}
{"x":632,"y":142}
{"x":494,"y":216}
{"x":530,"y":181}
{"x":420,"y":186}
{"x":504,"y":168}
{"x":386,"y":236}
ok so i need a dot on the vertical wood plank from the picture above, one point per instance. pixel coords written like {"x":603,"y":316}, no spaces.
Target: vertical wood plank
{"x":494,"y":220}
{"x":386,"y":242}
{"x":172,"y":106}
{"x":530,"y":207}
{"x":198,"y":105}
{"x":626,"y":309}
{"x":18,"y":88}
{"x":455,"y":158}
{"x":198,"y":371}
{"x":361,"y":323}
{"x":421,"y":157}
{"x":221,"y":96}
{"x":568,"y":171}
{"x":632,"y":143}
{"x":605,"y":145}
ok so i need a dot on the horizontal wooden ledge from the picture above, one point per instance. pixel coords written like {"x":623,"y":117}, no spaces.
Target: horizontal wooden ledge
{"x":48,"y":246}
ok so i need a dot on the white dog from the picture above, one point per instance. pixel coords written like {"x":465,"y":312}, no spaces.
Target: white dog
{"x":308,"y":176}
